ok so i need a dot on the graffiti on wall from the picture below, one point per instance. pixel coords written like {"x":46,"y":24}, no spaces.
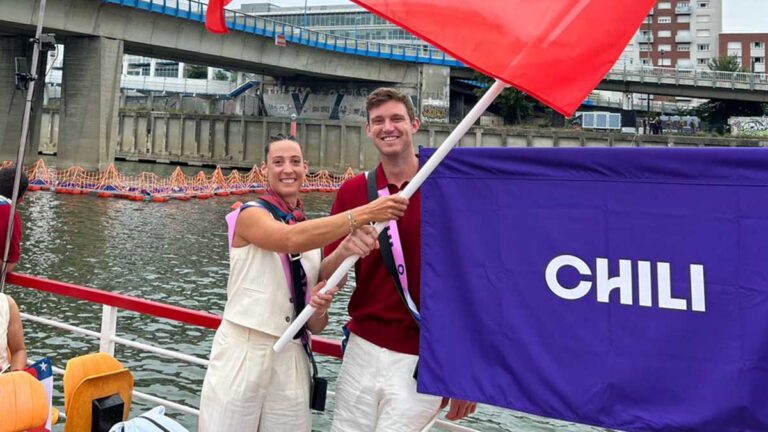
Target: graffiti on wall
{"x":323,"y":103}
{"x":749,"y":126}
{"x":434,"y":111}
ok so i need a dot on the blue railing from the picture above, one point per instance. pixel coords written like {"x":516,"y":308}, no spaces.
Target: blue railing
{"x":195,"y":11}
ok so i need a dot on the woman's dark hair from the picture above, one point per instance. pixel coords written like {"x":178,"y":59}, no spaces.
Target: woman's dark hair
{"x":276,"y":138}
{"x":7,"y":176}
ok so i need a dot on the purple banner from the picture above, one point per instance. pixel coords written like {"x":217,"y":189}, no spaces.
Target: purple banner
{"x":623,"y":288}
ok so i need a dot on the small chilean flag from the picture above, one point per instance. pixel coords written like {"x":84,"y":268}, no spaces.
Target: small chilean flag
{"x":214,"y":16}
{"x":43,"y":371}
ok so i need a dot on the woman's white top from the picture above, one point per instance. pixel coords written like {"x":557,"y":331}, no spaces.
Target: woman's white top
{"x":5,"y":318}
{"x":258,"y":296}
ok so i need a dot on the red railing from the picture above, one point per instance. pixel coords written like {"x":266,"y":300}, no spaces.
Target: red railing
{"x":320,"y":345}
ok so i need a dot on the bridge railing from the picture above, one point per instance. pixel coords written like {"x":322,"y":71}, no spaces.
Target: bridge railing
{"x":195,"y":10}
{"x":163,"y":84}
{"x":695,"y":77}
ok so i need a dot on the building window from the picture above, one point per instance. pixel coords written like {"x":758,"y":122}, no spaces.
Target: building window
{"x":684,"y":18}
{"x":758,"y":60}
{"x":702,"y":47}
{"x":758,"y":45}
{"x":664,"y":5}
{"x":645,"y":47}
{"x":736,"y":46}
{"x":664,"y":20}
{"x":665,"y":33}
{"x":665,"y":62}
{"x":703,"y":4}
{"x":702,"y":61}
{"x":703,"y":33}
{"x":703,"y":18}
{"x":645,"y":61}
{"x":684,"y":48}
{"x":665,"y":47}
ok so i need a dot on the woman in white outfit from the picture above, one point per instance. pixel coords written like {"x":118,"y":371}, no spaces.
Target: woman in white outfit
{"x":13,"y":353}
{"x":248,"y":386}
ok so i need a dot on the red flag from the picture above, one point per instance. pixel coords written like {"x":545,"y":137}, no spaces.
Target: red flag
{"x":555,"y":50}
{"x":214,"y":16}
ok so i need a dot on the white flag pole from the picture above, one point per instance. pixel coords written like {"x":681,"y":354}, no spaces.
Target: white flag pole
{"x":462,"y":128}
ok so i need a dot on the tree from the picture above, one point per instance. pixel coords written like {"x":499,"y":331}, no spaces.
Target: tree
{"x":725,"y":63}
{"x":716,"y":112}
{"x":514,"y":105}
{"x":199,"y":72}
{"x":220,"y":75}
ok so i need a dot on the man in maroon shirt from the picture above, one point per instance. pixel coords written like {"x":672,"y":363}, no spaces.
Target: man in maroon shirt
{"x":376,"y":390}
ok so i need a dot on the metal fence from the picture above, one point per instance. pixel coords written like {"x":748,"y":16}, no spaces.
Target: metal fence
{"x":689,"y":77}
{"x":195,"y":11}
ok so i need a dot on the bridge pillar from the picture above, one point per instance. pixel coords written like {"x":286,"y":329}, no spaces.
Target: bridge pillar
{"x":89,"y":102}
{"x":12,"y":100}
{"x":434,"y":93}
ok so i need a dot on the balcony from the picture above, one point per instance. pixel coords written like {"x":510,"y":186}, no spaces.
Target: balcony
{"x":683,"y":38}
{"x":683,"y":9}
{"x":644,"y":38}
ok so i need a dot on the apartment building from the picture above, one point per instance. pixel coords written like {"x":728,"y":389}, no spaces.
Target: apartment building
{"x":745,"y":33}
{"x":680,"y":33}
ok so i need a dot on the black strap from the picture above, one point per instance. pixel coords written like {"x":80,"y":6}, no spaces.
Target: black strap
{"x":298,"y":275}
{"x":385,"y":244}
{"x":154,"y":422}
{"x":299,"y":282}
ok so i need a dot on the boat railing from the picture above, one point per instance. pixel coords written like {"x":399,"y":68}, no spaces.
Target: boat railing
{"x":112,"y":303}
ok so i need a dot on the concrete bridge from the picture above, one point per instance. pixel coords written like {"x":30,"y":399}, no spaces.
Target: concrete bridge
{"x":97,"y":33}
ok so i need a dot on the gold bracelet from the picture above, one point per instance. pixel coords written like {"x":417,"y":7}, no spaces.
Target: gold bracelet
{"x":352,"y":222}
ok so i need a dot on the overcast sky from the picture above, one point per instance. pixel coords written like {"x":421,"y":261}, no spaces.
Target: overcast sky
{"x":745,"y":16}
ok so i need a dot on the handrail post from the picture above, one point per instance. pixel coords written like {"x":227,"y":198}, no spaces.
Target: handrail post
{"x":108,"y":329}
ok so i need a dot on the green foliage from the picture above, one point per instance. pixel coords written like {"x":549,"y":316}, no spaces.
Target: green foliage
{"x":220,"y":75}
{"x":716,"y":112}
{"x":513,"y":105}
{"x":194,"y":71}
{"x":725,"y":63}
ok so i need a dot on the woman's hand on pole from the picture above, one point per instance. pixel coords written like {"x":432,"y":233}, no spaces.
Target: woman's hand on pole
{"x":382,"y":209}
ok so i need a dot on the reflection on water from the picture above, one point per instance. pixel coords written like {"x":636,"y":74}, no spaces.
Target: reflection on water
{"x":173,"y":253}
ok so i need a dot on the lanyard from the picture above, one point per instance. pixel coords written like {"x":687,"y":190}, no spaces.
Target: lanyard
{"x":392,"y":251}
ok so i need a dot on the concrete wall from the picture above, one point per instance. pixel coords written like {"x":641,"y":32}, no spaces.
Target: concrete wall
{"x":13,"y":100}
{"x":333,"y":145}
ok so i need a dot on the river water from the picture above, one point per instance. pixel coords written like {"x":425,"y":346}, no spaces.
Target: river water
{"x":174,"y":253}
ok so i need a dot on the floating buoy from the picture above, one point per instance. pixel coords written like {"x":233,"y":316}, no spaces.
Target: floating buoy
{"x":156,"y":198}
{"x":104,"y":194}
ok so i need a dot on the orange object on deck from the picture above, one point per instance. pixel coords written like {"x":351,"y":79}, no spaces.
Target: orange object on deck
{"x":23,"y":402}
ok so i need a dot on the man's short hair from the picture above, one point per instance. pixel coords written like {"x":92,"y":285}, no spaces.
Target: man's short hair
{"x":383,"y":95}
{"x":7,"y":175}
